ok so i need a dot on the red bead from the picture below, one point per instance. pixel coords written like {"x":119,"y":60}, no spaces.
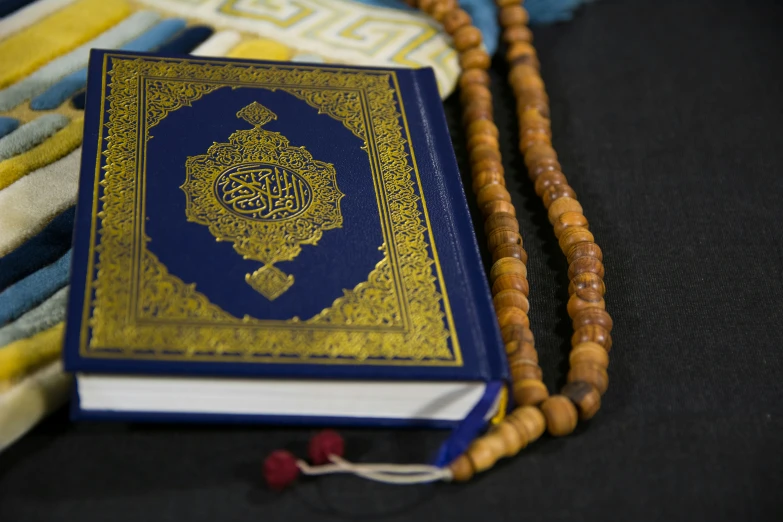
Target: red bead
{"x":325,"y":444}
{"x":280,"y":469}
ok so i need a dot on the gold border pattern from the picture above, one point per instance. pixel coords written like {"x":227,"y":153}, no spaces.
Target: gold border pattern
{"x":140,"y":310}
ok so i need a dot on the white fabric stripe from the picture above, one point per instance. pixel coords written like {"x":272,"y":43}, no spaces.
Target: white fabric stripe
{"x":55,"y":70}
{"x":31,"y":202}
{"x":28,"y":15}
{"x":25,"y":404}
{"x":218,"y":44}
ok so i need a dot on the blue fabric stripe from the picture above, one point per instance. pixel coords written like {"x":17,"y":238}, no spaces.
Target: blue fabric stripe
{"x":186,"y":41}
{"x":34,"y":289}
{"x":41,"y":250}
{"x":9,"y":6}
{"x":7,"y":125}
{"x":157,"y":35}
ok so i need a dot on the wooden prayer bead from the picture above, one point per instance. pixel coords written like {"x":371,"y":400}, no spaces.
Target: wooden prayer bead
{"x":526,"y":349}
{"x":587,"y":249}
{"x":583,"y":299}
{"x":573,"y":236}
{"x":533,"y":136}
{"x":512,"y":316}
{"x":515,"y":251}
{"x":561,"y":206}
{"x":543,"y":167}
{"x":512,"y":439}
{"x":476,"y":111}
{"x":426,"y":5}
{"x":522,"y":369}
{"x":517,"y":33}
{"x":541,"y":153}
{"x":530,"y":85}
{"x":475,"y":92}
{"x":461,"y":469}
{"x":592,"y":333}
{"x":585,"y":264}
{"x":474,"y":77}
{"x":589,"y":352}
{"x":483,"y":152}
{"x":482,"y":139}
{"x":530,"y":392}
{"x":591,"y":373}
{"x":492,"y":193}
{"x":531,"y":118}
{"x":500,"y":236}
{"x":593,"y":316}
{"x":487,"y":164}
{"x":587,"y":280}
{"x":481,"y":455}
{"x":483,"y":127}
{"x":440,"y":9}
{"x":547,"y":179}
{"x":488,"y":177}
{"x":501,"y":220}
{"x":456,"y":19}
{"x":556,"y":192}
{"x":585,"y":397}
{"x":496,"y":443}
{"x":511,"y":282}
{"x":505,"y":3}
{"x":513,"y":15}
{"x":531,"y":420}
{"x":511,"y":298}
{"x":568,"y":220}
{"x":561,"y":415}
{"x":475,"y":58}
{"x":516,"y":332}
{"x":520,"y":50}
{"x":507,"y":266}
{"x":521,"y":71}
{"x":498,"y":206}
{"x":466,"y":38}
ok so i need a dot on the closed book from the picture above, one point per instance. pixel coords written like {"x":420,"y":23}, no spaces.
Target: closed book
{"x":273,"y":241}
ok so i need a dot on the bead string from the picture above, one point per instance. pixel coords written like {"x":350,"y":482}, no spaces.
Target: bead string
{"x":537,"y":411}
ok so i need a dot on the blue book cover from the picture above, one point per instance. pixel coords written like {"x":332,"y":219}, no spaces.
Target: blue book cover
{"x":273,"y":220}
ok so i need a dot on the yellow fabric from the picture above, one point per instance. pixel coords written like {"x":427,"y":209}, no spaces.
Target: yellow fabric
{"x":57,"y":34}
{"x":63,"y":142}
{"x":261,"y":49}
{"x":22,"y":357}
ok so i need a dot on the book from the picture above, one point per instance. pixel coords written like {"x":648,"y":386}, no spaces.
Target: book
{"x":278,"y":242}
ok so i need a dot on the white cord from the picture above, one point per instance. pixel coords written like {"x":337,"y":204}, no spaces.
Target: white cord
{"x":386,"y":473}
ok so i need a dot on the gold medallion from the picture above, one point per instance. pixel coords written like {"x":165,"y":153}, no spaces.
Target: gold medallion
{"x":264,"y":195}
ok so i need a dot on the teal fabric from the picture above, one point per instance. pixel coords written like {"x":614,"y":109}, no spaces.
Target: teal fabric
{"x":34,"y":289}
{"x":40,"y":318}
{"x":31,"y":134}
{"x":7,"y":125}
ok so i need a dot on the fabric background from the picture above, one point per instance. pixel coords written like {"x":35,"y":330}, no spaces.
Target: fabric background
{"x":666,"y":116}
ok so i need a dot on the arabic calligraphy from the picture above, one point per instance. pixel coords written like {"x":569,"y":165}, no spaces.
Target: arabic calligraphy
{"x":266,"y":196}
{"x":263,"y":192}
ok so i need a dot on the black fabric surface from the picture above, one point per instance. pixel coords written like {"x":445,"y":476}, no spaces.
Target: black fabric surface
{"x":666,"y":115}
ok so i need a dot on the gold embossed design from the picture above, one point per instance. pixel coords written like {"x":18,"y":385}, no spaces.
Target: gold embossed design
{"x":264,"y":195}
{"x":136,"y":309}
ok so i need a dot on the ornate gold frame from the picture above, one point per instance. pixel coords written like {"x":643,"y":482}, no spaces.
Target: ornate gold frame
{"x":134,"y":308}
